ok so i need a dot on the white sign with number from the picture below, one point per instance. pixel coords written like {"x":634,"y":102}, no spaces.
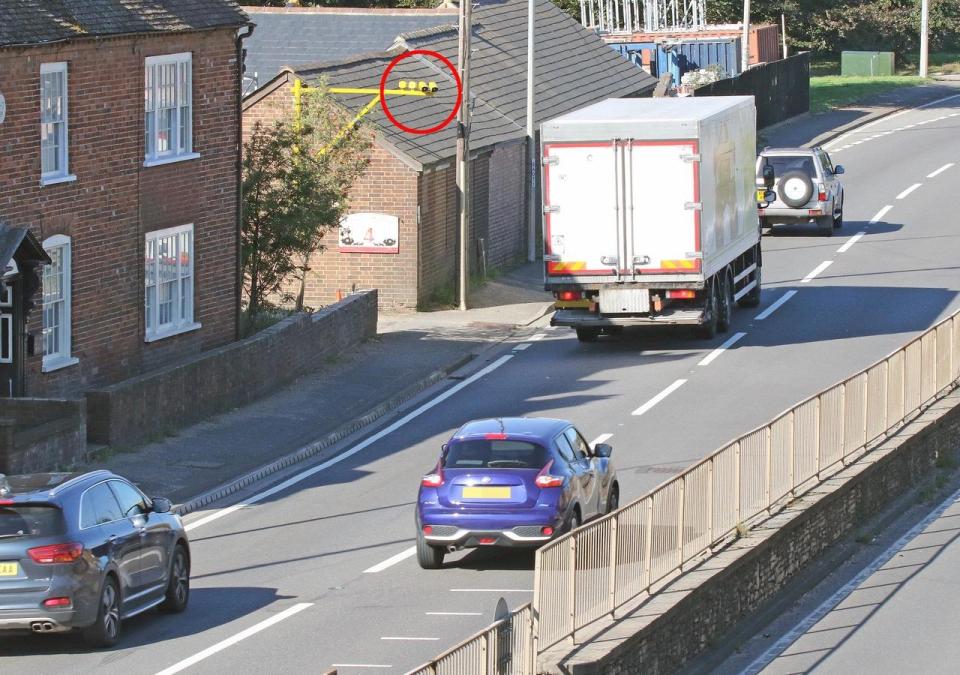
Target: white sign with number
{"x":3,"y":108}
{"x":369,"y":233}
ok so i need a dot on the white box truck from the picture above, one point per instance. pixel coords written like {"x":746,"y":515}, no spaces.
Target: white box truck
{"x":650,"y":213}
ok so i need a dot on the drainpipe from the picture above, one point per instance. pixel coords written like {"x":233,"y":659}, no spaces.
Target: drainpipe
{"x":239,"y":286}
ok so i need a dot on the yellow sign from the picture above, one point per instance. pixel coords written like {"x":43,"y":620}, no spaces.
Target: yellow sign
{"x":486,"y":493}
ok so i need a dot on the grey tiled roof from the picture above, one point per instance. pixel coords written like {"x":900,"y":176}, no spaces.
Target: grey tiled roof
{"x":311,"y":36}
{"x":574,"y":68}
{"x":24,"y":22}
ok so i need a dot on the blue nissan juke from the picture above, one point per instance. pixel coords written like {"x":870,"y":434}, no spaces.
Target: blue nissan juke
{"x":511,"y":482}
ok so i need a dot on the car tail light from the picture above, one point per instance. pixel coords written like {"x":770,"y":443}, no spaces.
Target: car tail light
{"x":545,"y":480}
{"x":569,"y":295}
{"x":822,"y":196}
{"x":546,"y":531}
{"x":427,"y":529}
{"x":57,"y":602}
{"x":432,"y":480}
{"x":681,"y":295}
{"x":495,"y":437}
{"x":57,"y":553}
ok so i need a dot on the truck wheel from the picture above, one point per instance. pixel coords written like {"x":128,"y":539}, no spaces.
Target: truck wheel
{"x":724,"y":302}
{"x":825,"y":226}
{"x":752,"y":299}
{"x":587,"y":334}
{"x":708,"y":327}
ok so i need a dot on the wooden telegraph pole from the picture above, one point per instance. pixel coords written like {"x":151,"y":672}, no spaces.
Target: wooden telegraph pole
{"x":463,"y":145}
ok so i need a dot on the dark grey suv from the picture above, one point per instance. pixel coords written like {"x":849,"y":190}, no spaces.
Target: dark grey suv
{"x":87,"y":551}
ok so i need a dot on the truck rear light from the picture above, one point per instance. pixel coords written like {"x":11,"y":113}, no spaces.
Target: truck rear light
{"x":545,"y":480}
{"x":567,"y":296}
{"x":57,"y":602}
{"x":56,"y":553}
{"x":681,"y":295}
{"x":432,"y":480}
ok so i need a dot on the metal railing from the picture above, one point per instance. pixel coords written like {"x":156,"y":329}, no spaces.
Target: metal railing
{"x":596,"y":569}
{"x":504,"y":648}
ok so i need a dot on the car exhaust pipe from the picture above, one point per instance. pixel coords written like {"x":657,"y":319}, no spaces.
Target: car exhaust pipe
{"x":451,"y":548}
{"x":42,"y":627}
{"x":47,"y":627}
{"x":36,"y":627}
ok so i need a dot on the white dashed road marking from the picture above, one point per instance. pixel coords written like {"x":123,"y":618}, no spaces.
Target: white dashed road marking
{"x":521,"y":347}
{"x":659,"y":397}
{"x":819,"y":268}
{"x":909,"y":190}
{"x":709,"y":358}
{"x":881,"y":213}
{"x":391,"y":561}
{"x":775,"y":306}
{"x":850,"y":242}
{"x":940,"y":170}
{"x":230,"y":641}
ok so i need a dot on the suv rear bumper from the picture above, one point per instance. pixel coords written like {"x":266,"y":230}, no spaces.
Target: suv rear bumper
{"x":523,"y":536}
{"x":38,"y":621}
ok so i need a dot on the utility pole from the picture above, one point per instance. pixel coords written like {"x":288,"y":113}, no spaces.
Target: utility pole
{"x":531,"y":136}
{"x":924,"y":36}
{"x":745,"y":40}
{"x":463,"y":145}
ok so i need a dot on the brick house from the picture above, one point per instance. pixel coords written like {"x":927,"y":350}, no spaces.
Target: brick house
{"x":119,"y":153}
{"x":402,"y":232}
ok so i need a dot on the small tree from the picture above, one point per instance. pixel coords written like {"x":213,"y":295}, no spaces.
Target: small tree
{"x":296,"y":179}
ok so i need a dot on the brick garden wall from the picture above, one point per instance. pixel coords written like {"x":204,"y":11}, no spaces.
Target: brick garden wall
{"x":115,"y":200}
{"x":39,"y":435}
{"x":439,"y":223}
{"x":229,"y":376}
{"x":506,"y":231}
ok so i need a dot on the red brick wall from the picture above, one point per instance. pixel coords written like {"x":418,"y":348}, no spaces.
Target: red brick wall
{"x":115,"y":200}
{"x":439,"y":224}
{"x":387,"y":186}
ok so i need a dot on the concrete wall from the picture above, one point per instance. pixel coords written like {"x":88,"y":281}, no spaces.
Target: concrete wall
{"x":41,"y":434}
{"x":700,"y":607}
{"x":229,"y":376}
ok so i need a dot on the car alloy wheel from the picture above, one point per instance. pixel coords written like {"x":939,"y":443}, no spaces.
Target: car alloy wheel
{"x":178,"y":586}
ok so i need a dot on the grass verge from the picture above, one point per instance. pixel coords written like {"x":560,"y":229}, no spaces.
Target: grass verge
{"x":833,"y":91}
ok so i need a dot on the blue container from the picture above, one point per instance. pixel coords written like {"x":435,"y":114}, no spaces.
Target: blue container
{"x":680,"y":57}
{"x":632,"y":50}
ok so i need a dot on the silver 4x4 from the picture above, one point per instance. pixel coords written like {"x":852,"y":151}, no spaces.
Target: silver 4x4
{"x":807,"y":188}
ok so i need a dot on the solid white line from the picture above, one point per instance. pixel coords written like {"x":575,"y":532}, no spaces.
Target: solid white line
{"x":708,"y":359}
{"x":229,"y":642}
{"x":909,"y":190}
{"x":940,"y":170}
{"x":391,"y":561}
{"x":521,"y":347}
{"x":454,"y":613}
{"x":881,"y":213}
{"x":775,"y":306}
{"x":887,"y":118}
{"x":819,"y":268}
{"x":602,"y":438}
{"x":428,"y":639}
{"x":659,"y":397}
{"x":491,"y":590}
{"x":781,"y":645}
{"x":538,"y":336}
{"x":850,"y":242}
{"x":355,"y":449}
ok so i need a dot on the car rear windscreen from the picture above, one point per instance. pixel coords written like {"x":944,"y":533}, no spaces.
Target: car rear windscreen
{"x":783,"y":163}
{"x":495,"y":454}
{"x":30,"y":521}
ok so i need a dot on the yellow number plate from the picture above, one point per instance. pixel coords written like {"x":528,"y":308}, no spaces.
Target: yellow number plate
{"x":486,"y":493}
{"x":9,"y":569}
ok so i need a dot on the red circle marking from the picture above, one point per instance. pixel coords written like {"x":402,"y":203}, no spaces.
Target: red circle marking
{"x":383,"y":85}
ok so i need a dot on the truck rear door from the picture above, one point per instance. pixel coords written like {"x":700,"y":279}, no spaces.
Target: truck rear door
{"x":582,"y":222}
{"x":662,"y":210}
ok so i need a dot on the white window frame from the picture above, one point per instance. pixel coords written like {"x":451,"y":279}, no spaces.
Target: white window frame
{"x":180,"y":141}
{"x":62,"y":175}
{"x":62,"y":357}
{"x":152,"y":329}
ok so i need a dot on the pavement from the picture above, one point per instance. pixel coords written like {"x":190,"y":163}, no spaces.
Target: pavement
{"x":411,"y":352}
